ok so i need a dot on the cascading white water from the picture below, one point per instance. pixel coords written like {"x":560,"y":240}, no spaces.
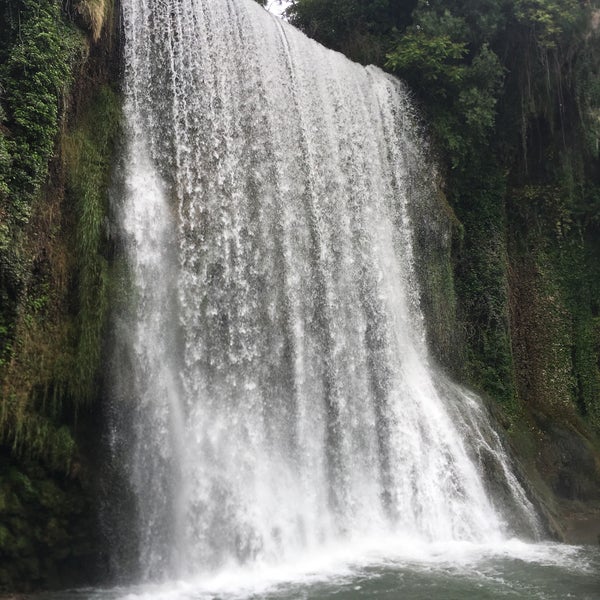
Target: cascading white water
{"x":273,"y":364}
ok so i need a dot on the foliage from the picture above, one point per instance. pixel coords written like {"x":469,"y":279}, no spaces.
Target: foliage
{"x":34,"y":77}
{"x":39,"y":51}
{"x":435,"y":59}
{"x":547,"y":20}
{"x":52,"y":283}
{"x":59,"y":328}
{"x":442,"y":58}
{"x":58,"y":126}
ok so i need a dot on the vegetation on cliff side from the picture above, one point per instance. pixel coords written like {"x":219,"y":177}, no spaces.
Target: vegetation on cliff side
{"x":53,"y":182}
{"x":59,"y":122}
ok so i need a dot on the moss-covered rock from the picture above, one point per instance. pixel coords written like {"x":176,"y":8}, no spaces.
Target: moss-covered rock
{"x":55,"y":285}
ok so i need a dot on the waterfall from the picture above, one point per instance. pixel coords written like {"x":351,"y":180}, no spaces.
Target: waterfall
{"x":272,"y":386}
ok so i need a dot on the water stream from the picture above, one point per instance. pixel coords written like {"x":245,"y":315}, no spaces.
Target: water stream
{"x":274,"y":401}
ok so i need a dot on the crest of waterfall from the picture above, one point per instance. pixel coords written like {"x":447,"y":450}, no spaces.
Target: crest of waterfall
{"x":273,"y":390}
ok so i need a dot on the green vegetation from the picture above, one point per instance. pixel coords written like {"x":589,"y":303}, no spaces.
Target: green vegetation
{"x":52,"y":232}
{"x":51,"y":345}
{"x":59,"y":123}
{"x":59,"y":328}
{"x":89,"y":152}
{"x":38,"y":51}
{"x":34,"y":74}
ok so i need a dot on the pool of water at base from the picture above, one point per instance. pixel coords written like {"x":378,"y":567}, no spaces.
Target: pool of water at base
{"x":455,"y":572}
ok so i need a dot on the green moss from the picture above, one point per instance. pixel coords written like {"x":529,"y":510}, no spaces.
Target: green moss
{"x":89,"y":152}
{"x":482,"y":279}
{"x":58,"y":124}
{"x":582,"y":295}
{"x":39,"y":50}
{"x":434,"y":230}
{"x":52,"y":322}
{"x":35,"y":75}
{"x":557,"y":292}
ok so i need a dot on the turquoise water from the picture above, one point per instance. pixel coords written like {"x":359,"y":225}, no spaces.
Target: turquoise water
{"x":458,"y":571}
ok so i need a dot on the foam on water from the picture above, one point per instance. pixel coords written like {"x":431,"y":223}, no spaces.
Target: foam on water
{"x":340,"y":565}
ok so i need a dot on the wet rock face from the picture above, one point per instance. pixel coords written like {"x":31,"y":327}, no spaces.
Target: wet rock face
{"x":569,"y":497}
{"x":574,"y":474}
{"x":46,"y":528}
{"x":583,"y":528}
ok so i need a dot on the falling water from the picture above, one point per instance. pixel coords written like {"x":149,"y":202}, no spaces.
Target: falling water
{"x":273,"y":388}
